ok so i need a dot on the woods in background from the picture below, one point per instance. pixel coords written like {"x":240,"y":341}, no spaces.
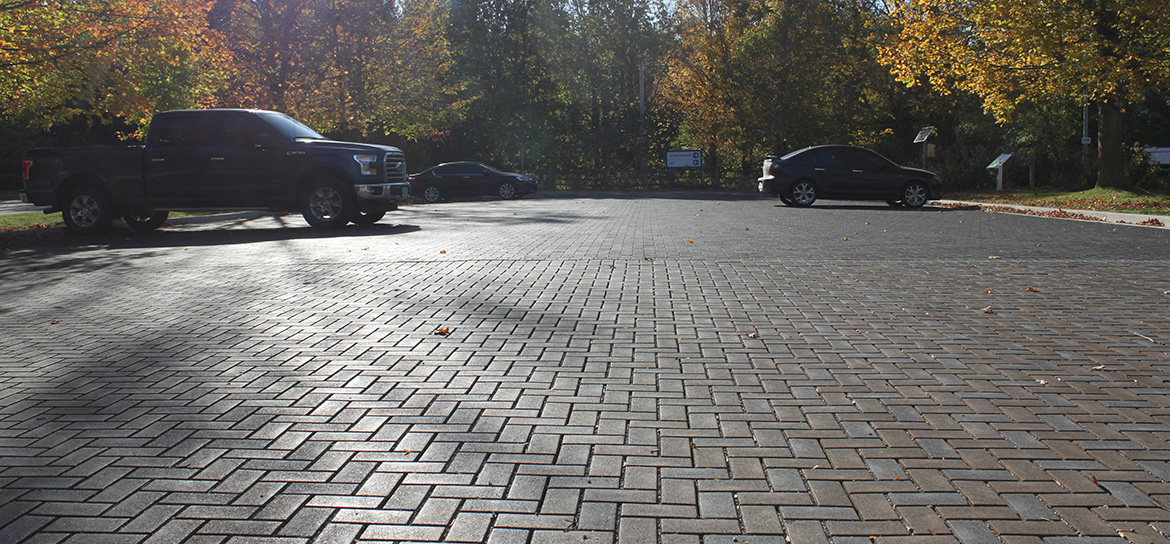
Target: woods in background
{"x":599,"y":90}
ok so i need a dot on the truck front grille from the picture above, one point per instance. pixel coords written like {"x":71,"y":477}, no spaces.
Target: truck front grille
{"x":395,"y":167}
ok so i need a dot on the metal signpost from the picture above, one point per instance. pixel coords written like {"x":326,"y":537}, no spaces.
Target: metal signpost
{"x":997,"y":165}
{"x":921,"y":138}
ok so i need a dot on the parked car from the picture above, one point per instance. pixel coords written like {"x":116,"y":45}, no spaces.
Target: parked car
{"x":217,"y":159}
{"x":845,"y":172}
{"x":459,"y":179}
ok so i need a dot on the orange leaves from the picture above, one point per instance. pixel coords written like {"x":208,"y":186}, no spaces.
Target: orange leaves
{"x":442,"y":331}
{"x":136,"y":52}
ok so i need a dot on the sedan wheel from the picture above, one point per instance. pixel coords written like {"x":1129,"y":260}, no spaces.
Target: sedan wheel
{"x":803,"y":194}
{"x":432,"y":194}
{"x":914,"y":195}
{"x":507,"y":190}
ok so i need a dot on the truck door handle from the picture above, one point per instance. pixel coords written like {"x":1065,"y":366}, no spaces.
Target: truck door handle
{"x":217,"y":159}
{"x":158,"y":159}
{"x":819,"y":169}
{"x":859,"y":171}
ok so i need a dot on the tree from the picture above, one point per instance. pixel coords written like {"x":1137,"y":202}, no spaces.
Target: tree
{"x":112,"y":58}
{"x":751,"y":77}
{"x":359,"y":68}
{"x":1009,"y":52}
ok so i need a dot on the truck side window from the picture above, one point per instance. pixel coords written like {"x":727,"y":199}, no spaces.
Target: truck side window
{"x":179,"y":131}
{"x":238,"y":131}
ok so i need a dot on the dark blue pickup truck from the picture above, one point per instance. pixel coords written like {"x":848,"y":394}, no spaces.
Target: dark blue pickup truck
{"x":218,"y":159}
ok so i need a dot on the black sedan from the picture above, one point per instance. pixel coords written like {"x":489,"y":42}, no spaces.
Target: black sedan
{"x":845,"y":172}
{"x":458,"y":179}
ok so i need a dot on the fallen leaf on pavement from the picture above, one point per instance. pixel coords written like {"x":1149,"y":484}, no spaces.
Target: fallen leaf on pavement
{"x":988,"y":310}
{"x":441,"y":331}
{"x":1033,"y":289}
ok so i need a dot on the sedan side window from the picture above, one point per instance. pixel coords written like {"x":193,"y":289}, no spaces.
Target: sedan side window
{"x":462,"y":170}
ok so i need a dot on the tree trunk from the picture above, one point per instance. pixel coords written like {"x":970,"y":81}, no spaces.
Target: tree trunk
{"x":1110,"y":155}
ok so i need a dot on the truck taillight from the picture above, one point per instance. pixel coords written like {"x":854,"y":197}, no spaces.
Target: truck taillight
{"x":27,"y":167}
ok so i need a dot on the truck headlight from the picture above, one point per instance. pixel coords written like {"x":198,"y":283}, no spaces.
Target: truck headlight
{"x":368,"y":164}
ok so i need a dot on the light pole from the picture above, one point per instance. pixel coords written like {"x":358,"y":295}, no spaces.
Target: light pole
{"x":641,"y":112}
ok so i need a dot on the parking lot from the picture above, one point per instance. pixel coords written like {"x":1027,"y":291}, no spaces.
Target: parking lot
{"x":632,"y":368}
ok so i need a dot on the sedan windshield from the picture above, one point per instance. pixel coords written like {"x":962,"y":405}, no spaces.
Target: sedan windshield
{"x":289,"y":127}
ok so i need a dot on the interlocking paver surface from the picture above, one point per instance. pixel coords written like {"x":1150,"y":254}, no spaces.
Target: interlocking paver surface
{"x":616,"y":368}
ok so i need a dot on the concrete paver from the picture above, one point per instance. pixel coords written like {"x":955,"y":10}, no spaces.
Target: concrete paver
{"x":659,"y":368}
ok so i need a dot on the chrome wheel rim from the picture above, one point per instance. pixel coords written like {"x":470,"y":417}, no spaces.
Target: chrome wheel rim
{"x":431,"y":194}
{"x":915,"y":195}
{"x":507,"y":190}
{"x":325,"y":203}
{"x":803,"y":193}
{"x":84,"y":210}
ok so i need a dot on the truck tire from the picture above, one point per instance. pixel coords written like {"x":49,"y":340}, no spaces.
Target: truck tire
{"x":366,"y":219}
{"x":87,"y":209}
{"x":146,"y":221}
{"x":327,"y":203}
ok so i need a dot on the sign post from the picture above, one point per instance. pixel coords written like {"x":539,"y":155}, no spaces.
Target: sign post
{"x":921,"y":138}
{"x":997,"y":165}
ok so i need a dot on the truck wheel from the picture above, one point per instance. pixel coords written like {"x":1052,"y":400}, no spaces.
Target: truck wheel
{"x":146,"y":221}
{"x":328,"y":204}
{"x":88,"y":210}
{"x":366,"y":219}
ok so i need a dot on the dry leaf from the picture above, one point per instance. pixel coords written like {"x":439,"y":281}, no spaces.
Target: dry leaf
{"x":1102,"y":367}
{"x":441,"y":331}
{"x":846,"y":239}
{"x":753,"y":335}
{"x":443,"y":251}
{"x":1033,"y":289}
{"x":988,"y":310}
{"x":54,"y":322}
{"x":691,"y":241}
{"x":993,"y":257}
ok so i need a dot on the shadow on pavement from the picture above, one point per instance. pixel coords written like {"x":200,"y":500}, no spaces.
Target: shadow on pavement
{"x":224,"y":233}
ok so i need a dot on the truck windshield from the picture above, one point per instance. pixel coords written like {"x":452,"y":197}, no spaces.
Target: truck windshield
{"x":288,"y":126}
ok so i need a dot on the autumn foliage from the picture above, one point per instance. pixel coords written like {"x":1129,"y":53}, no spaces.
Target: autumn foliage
{"x":124,"y":58}
{"x":608,"y":86}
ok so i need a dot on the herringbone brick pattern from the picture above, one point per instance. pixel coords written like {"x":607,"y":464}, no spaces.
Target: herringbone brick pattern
{"x":633,"y":370}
